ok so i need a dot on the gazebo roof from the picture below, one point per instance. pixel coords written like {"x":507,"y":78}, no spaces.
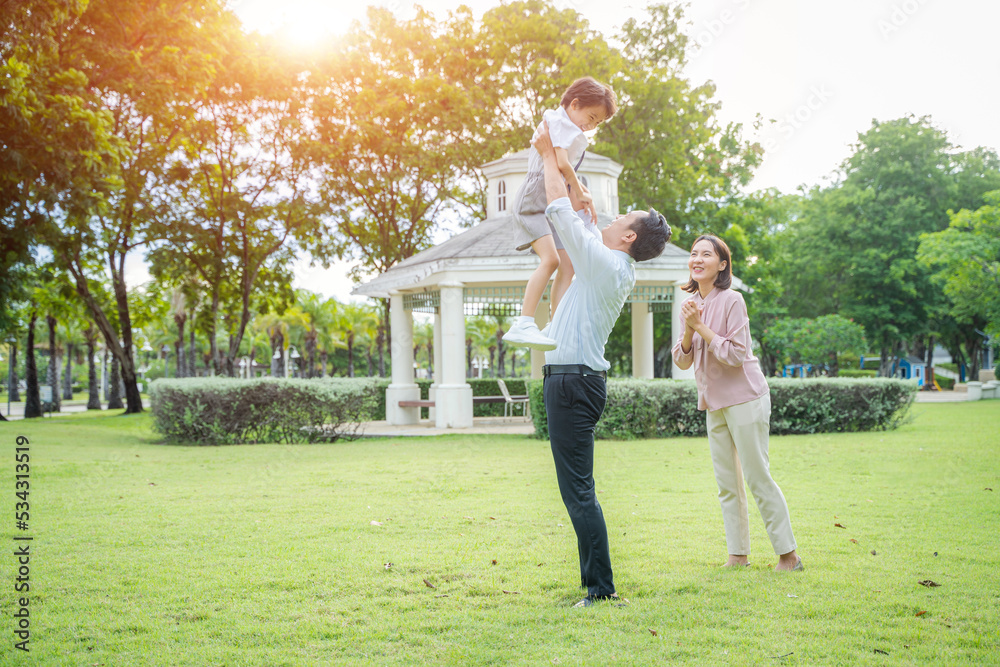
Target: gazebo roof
{"x":485,"y":254}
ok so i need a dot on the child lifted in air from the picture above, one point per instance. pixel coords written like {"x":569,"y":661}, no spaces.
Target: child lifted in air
{"x":584,"y":105}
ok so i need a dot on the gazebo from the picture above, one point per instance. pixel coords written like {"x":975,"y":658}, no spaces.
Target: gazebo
{"x":478,"y":272}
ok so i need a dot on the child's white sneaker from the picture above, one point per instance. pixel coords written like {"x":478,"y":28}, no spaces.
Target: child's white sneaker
{"x":524,"y":332}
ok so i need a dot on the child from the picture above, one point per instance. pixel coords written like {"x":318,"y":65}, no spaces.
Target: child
{"x":733,"y":392}
{"x":584,"y":105}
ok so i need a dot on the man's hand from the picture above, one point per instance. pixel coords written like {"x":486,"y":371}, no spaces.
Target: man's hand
{"x":543,"y":142}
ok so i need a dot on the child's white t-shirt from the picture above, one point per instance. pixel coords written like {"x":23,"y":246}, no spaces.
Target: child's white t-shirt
{"x":565,"y":134}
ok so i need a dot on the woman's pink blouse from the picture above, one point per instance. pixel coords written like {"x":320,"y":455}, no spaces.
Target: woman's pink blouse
{"x":725,"y":371}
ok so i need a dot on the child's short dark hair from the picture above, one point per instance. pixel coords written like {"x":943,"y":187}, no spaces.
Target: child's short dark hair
{"x":591,"y":93}
{"x":651,"y":235}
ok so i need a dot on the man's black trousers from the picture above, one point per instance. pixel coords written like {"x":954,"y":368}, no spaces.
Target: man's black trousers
{"x":573,"y":404}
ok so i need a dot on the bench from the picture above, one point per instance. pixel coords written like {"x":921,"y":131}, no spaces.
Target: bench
{"x":509,"y":400}
{"x":475,"y":399}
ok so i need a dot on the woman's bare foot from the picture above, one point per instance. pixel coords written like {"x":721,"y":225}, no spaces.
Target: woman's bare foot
{"x":788,"y":562}
{"x":736,"y":561}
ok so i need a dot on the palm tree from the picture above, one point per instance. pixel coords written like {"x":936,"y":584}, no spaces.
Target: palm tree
{"x":33,"y":401}
{"x":90,"y":334}
{"x":423,"y":337}
{"x":356,"y":320}
{"x":479,"y":337}
{"x":294,"y":322}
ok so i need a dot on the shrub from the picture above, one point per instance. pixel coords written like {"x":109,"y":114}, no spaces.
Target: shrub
{"x":668,"y":408}
{"x":230,"y":411}
{"x":946,"y":384}
{"x":857,"y":373}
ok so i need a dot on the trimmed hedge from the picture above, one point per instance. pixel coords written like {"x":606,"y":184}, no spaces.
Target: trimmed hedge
{"x":216,"y":411}
{"x":856,"y":373}
{"x":668,"y":408}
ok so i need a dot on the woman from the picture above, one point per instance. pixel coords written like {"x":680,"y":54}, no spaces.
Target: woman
{"x":734,"y":393}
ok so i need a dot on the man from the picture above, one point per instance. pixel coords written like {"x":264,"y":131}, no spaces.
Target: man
{"x":576,"y":371}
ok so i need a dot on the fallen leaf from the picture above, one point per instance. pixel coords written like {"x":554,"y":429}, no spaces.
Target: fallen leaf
{"x":988,"y":488}
{"x":152,"y":483}
{"x":854,"y":540}
{"x":494,"y":518}
{"x":921,"y":613}
{"x":541,"y":564}
{"x":512,"y":592}
{"x":429,"y":584}
{"x":839,"y":525}
{"x":878,"y":650}
{"x":443,"y":595}
{"x":388,"y":566}
{"x":470,"y":518}
{"x":374,"y":523}
{"x":494,"y":561}
{"x":874,"y":553}
{"x":928,"y":583}
{"x":653,"y":632}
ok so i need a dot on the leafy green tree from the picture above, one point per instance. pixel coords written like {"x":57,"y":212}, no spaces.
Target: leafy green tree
{"x":245,"y":177}
{"x":141,"y":62}
{"x":965,"y":258}
{"x":856,"y":241}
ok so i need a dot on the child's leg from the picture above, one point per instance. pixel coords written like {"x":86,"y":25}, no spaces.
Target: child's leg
{"x":562,"y":281}
{"x":545,"y":248}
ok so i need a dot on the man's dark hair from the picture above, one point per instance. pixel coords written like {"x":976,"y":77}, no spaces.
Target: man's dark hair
{"x":651,"y":235}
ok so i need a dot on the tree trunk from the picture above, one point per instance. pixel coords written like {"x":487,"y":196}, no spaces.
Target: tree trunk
{"x":115,"y":382}
{"x":33,"y":400}
{"x":278,"y":365}
{"x":52,"y":377}
{"x":68,"y":376}
{"x":324,"y":358}
{"x":105,"y":377}
{"x":350,"y":355}
{"x":974,"y":346}
{"x":191,"y":371}
{"x":380,"y":343}
{"x":371,"y":363}
{"x":12,"y":388}
{"x":94,"y":397}
{"x":180,"y":320}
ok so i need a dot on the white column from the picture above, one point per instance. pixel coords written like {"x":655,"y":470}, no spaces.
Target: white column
{"x":438,"y":357}
{"x":677,"y":330}
{"x":538,"y":357}
{"x":453,"y":397}
{"x":401,"y":354}
{"x":642,"y":340}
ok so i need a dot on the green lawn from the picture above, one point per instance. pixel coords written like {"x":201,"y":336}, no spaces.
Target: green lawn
{"x":146,"y":554}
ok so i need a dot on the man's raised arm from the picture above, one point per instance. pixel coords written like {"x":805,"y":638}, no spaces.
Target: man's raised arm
{"x":555,"y":186}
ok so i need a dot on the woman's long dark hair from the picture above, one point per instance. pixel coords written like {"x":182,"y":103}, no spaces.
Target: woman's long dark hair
{"x":725,"y":278}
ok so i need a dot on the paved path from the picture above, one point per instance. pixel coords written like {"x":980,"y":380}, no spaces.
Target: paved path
{"x":481,"y":425}
{"x":941,"y":396}
{"x":17,"y":409}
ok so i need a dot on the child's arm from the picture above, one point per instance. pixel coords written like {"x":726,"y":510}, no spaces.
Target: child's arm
{"x":575,"y":186}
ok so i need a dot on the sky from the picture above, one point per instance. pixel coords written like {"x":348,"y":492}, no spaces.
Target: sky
{"x":821,"y":71}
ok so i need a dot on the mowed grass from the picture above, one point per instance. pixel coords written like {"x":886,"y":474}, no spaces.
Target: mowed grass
{"x":457,"y":550}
